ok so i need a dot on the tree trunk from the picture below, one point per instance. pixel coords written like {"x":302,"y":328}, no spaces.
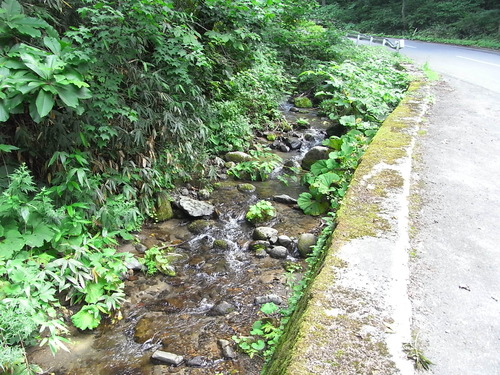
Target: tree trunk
{"x":403,"y":14}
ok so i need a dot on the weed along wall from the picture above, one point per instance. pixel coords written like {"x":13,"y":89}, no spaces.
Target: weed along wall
{"x":358,"y":295}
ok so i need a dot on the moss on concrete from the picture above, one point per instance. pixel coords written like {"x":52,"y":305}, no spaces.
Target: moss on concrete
{"x":318,"y":339}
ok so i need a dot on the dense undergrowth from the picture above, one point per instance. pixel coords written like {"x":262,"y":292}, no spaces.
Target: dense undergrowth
{"x":106,"y":105}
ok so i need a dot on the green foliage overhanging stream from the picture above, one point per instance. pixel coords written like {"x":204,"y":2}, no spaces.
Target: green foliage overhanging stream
{"x":106,"y":105}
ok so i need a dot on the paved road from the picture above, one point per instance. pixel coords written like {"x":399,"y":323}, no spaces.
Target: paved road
{"x":455,"y":276}
{"x":477,"y":66}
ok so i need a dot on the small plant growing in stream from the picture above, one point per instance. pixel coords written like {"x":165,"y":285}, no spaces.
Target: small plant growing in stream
{"x":263,"y":336}
{"x":258,"y":169}
{"x":302,"y":122}
{"x":260,"y":212}
{"x":157,"y":260}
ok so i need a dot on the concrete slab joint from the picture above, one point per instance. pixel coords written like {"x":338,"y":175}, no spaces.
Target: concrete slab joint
{"x":358,"y":314}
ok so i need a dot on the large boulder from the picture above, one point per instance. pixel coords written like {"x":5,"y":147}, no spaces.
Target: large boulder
{"x":306,"y":243}
{"x":266,"y":234}
{"x":313,"y":155}
{"x":238,"y":157}
{"x":195,"y":208}
{"x":278,"y":252}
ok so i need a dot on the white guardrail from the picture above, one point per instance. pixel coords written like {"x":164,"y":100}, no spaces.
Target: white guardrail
{"x":397,"y":45}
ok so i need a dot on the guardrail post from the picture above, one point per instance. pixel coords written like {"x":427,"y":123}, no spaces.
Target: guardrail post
{"x":371,"y":40}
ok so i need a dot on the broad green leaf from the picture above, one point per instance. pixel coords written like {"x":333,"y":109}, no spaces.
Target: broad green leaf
{"x":333,"y":142}
{"x":325,"y":181}
{"x":87,"y":318}
{"x":94,"y":292}
{"x":311,"y":206}
{"x":53,"y":44}
{"x":269,"y":308}
{"x":53,"y":63}
{"x":40,"y":234}
{"x":84,"y":93}
{"x":348,"y":120}
{"x":13,"y":103}
{"x":323,"y":166}
{"x":12,"y":243}
{"x":68,"y":94}
{"x":29,"y":26}
{"x":44,"y":103}
{"x":4,"y":115}
{"x":259,"y":345}
{"x":4,"y":73}
{"x":12,"y":8}
{"x":35,"y":65}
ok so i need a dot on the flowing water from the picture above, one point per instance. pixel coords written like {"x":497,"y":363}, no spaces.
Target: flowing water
{"x":175,"y":314}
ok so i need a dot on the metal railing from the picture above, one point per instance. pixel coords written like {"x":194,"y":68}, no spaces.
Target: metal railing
{"x":397,"y":45}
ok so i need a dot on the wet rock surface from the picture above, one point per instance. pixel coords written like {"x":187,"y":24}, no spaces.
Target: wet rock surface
{"x":195,"y":208}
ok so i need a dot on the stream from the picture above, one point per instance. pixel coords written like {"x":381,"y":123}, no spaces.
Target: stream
{"x":211,"y":297}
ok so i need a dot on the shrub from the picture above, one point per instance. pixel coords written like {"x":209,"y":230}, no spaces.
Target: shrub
{"x":260,"y":212}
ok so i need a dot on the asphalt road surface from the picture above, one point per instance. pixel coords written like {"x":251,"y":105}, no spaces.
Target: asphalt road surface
{"x":455,"y":272}
{"x":477,"y":66}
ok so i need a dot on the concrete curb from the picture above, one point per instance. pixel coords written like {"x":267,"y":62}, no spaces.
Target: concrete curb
{"x":356,"y":315}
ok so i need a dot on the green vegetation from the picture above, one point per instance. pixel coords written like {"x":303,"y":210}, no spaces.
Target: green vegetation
{"x":264,"y":334}
{"x":415,"y":353}
{"x":106,"y":105}
{"x":469,"y":22}
{"x":258,"y":169}
{"x":157,"y":260}
{"x":358,"y":95}
{"x":260,"y":212}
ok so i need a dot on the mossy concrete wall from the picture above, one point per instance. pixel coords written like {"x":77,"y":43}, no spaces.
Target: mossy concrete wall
{"x":355,"y":315}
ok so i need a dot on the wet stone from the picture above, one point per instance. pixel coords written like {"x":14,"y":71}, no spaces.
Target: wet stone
{"x":268,"y":298}
{"x":196,"y":208}
{"x":294,"y":143}
{"x":313,"y":155}
{"x":197,"y":361}
{"x":292,"y":164}
{"x":238,"y":156}
{"x":261,"y":253}
{"x":259,"y":245}
{"x":222,"y":308}
{"x":266,"y":233}
{"x":221,"y":244}
{"x":284,"y":148}
{"x":199,"y":226}
{"x":285,"y":241}
{"x":169,"y":358}
{"x":203,"y":194}
{"x":134,"y":264}
{"x":278,"y":252}
{"x":141,"y":249}
{"x":306,"y":243}
{"x":227,"y":350}
{"x":246,"y":188}
{"x":285,"y":199}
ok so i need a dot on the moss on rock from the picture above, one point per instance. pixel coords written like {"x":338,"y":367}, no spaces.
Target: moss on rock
{"x":302,"y":102}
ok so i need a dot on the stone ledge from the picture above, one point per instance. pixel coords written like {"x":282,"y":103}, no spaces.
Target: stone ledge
{"x":355,"y":316}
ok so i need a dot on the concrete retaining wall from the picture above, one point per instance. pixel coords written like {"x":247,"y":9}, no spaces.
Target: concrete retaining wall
{"x":355,"y":316}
